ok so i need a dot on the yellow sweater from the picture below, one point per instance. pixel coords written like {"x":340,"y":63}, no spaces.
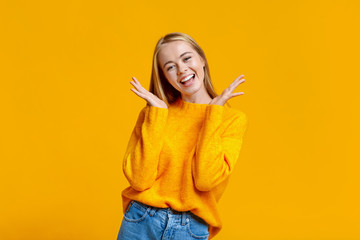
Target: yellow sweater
{"x":181,"y":157}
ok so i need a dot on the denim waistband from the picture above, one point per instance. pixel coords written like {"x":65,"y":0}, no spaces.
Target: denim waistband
{"x":183,"y":215}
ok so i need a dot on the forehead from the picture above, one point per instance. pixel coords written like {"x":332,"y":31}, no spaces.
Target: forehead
{"x":173,"y":50}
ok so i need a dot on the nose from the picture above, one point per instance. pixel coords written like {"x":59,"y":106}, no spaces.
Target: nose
{"x":182,"y":68}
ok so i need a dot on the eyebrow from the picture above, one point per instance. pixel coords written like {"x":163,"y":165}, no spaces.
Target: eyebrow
{"x":179,"y":57}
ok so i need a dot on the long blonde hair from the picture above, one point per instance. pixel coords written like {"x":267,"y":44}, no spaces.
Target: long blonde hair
{"x":159,"y":85}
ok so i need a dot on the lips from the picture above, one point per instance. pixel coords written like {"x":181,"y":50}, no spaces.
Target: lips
{"x":189,"y":81}
{"x":185,"y":77}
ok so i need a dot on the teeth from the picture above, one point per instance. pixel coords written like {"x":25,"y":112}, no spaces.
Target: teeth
{"x":188,"y":78}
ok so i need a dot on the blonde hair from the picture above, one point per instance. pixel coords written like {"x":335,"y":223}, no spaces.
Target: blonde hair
{"x":159,"y":85}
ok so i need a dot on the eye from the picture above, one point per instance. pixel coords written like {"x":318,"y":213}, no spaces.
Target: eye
{"x":187,"y":58}
{"x":169,"y":68}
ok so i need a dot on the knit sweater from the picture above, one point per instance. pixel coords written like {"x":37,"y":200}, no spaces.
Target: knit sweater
{"x":181,"y":157}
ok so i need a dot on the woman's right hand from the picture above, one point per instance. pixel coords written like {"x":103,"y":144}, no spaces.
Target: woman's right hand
{"x":145,"y":94}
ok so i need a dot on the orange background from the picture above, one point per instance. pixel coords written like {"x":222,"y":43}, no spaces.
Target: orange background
{"x":67,"y":112}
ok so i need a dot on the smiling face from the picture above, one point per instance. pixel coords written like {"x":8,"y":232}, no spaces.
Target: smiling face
{"x":184,"y":69}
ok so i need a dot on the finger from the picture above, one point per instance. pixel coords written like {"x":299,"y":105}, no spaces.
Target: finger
{"x":237,"y":81}
{"x":140,"y":87}
{"x":238,"y":78}
{"x":136,"y":92}
{"x":135,"y":81}
{"x":139,"y":93}
{"x":236,"y":94}
{"x":134,"y":78}
{"x":136,"y":86}
{"x":236,"y":84}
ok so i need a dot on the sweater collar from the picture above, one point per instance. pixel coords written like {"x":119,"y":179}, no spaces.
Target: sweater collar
{"x":183,"y":105}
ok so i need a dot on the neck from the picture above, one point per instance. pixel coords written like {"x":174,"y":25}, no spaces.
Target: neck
{"x":197,"y":98}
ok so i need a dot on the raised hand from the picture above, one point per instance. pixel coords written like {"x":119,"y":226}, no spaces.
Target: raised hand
{"x":228,"y":92}
{"x":145,"y":94}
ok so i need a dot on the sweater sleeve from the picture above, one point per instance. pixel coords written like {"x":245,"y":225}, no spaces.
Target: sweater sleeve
{"x":142,"y":154}
{"x":217,"y":151}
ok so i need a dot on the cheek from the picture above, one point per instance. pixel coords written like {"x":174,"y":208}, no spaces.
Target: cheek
{"x":197,"y":66}
{"x":199,"y":69}
{"x":171,"y":76}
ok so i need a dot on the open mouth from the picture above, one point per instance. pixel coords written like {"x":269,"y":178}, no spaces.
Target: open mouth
{"x":188,"y":79}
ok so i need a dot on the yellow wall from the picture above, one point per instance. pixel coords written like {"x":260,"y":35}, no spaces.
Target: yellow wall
{"x":67,"y":112}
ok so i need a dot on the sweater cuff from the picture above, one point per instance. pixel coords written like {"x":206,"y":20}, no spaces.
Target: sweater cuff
{"x":156,"y":114}
{"x":214,"y":112}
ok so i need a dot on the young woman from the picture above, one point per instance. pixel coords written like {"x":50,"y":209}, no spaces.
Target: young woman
{"x":183,"y":148}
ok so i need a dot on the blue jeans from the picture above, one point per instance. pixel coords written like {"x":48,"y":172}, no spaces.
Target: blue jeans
{"x":143,"y":222}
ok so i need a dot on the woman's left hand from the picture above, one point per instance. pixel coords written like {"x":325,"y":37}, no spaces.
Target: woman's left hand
{"x":228,"y":92}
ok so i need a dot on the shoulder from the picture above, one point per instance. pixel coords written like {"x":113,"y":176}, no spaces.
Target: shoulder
{"x":141,"y":115}
{"x":149,"y":113}
{"x":142,"y":111}
{"x":234,"y":122}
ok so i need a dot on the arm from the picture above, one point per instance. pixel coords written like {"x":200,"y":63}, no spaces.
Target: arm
{"x":216,"y":152}
{"x":142,"y":154}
